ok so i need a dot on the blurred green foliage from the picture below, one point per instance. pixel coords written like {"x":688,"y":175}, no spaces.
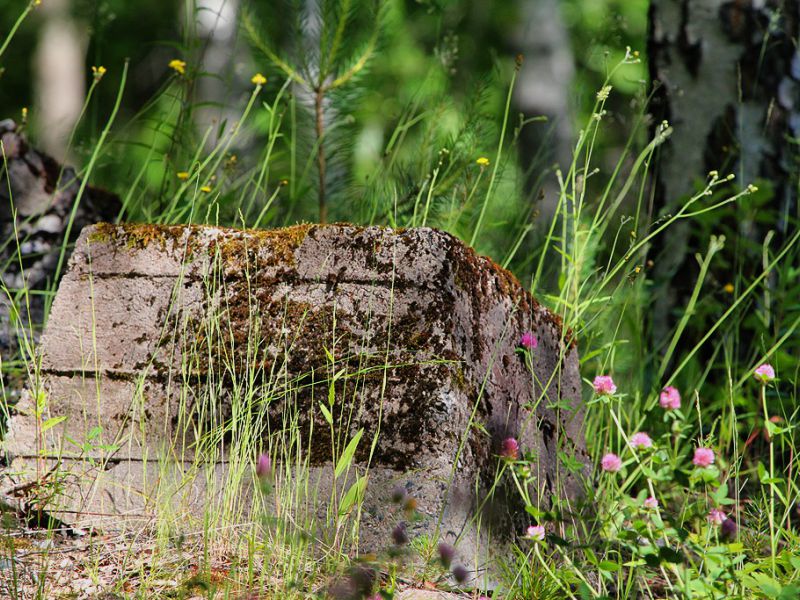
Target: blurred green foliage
{"x":430,"y":48}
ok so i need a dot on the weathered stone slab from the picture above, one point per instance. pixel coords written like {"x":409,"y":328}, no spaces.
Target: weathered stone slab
{"x":178,"y":354}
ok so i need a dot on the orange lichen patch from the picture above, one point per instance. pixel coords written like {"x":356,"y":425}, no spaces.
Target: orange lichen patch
{"x":240,"y":248}
{"x":233,"y":245}
{"x":141,"y":235}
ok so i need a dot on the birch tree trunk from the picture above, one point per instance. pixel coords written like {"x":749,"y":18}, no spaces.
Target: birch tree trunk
{"x":727,"y":78}
{"x":60,"y":77}
{"x":543,"y":89}
{"x":217,"y":22}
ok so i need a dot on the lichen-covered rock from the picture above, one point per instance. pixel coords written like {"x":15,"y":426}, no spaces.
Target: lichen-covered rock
{"x":178,"y":354}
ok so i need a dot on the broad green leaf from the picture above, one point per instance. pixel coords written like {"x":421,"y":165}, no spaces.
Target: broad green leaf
{"x":790,"y":592}
{"x":353,"y":495}
{"x":608,"y":566}
{"x":52,"y":422}
{"x":768,"y":586}
{"x":347,"y":456}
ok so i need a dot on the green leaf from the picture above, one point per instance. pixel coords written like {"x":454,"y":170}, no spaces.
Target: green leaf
{"x":329,"y":356}
{"x":572,"y":464}
{"x":564,"y":404}
{"x":41,"y":402}
{"x":52,"y":422}
{"x":768,"y":586}
{"x":608,"y":566}
{"x":635,"y":563}
{"x":326,"y":413}
{"x":591,"y":556}
{"x":708,"y":475}
{"x":670,"y":555}
{"x":585,"y":591}
{"x":347,"y":456}
{"x":790,"y":592}
{"x":534,"y":512}
{"x":592,"y":354}
{"x":331,"y":394}
{"x":353,"y":495}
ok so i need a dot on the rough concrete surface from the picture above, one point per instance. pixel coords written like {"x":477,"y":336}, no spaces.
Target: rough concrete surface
{"x":178,"y":354}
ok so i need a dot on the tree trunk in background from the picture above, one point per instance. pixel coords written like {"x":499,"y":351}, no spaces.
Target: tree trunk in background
{"x":727,"y":80}
{"x":60,"y":77}
{"x":217,"y":24}
{"x":543,"y":88}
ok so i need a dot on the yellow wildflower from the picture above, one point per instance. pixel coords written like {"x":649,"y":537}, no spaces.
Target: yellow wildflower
{"x":483,"y":161}
{"x":24,"y":114}
{"x":258,"y":79}
{"x":178,"y":66}
{"x":98,"y":72}
{"x":205,"y":189}
{"x":183,"y":175}
{"x":728,"y":288}
{"x":284,"y":182}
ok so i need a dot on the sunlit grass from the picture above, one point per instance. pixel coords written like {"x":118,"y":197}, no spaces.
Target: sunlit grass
{"x":646,"y":531}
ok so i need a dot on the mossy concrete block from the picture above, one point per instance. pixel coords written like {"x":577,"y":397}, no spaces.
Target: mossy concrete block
{"x":173,"y":352}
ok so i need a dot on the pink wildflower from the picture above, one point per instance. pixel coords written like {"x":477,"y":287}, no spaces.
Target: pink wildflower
{"x":611,"y":463}
{"x":651,"y":503}
{"x":703,"y":457}
{"x":604,"y":385}
{"x":716,"y":516}
{"x":641,"y":440}
{"x":670,"y":398}
{"x":535,"y":532}
{"x":510,"y":449}
{"x":264,"y":466}
{"x":528,"y":341}
{"x":764,"y":373}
